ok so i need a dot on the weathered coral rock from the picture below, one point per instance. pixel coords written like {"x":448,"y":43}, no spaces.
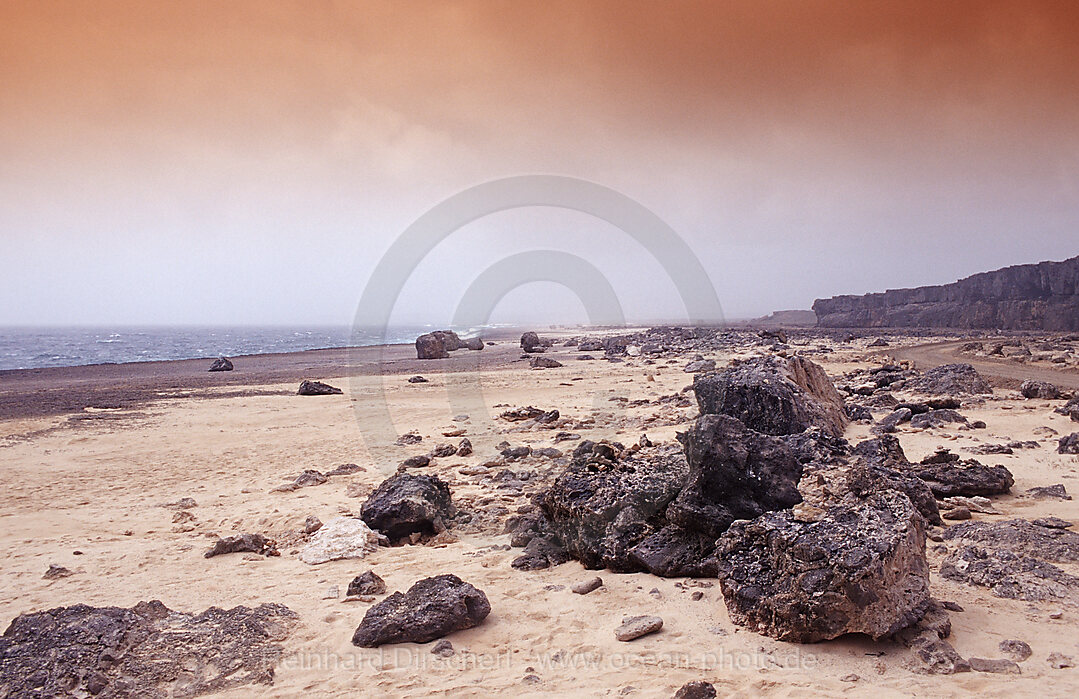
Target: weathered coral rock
{"x":147,"y":651}
{"x":860,"y":568}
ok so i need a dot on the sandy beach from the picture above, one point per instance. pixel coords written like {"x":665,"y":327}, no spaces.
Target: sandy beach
{"x":95,"y":491}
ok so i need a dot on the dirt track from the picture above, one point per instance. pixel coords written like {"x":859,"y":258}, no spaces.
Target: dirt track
{"x":931,"y":355}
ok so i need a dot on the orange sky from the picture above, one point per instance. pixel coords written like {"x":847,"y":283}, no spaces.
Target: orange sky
{"x":751,"y":126}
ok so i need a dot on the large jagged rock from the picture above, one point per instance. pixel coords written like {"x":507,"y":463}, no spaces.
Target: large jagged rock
{"x":1042,"y":296}
{"x":773,"y":396}
{"x":1069,"y":444}
{"x":966,"y":478}
{"x":734,"y":473}
{"x":860,"y":568}
{"x":147,"y":651}
{"x":531,"y":342}
{"x":340,"y":538}
{"x":406,"y":504}
{"x":431,"y":346}
{"x":1014,"y":558}
{"x":950,"y":380}
{"x":432,"y":608}
{"x":1039,"y":389}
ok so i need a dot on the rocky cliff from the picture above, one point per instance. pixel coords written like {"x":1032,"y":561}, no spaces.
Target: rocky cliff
{"x":1042,"y":296}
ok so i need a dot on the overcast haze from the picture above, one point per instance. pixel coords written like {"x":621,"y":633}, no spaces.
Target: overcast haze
{"x":248,"y":163}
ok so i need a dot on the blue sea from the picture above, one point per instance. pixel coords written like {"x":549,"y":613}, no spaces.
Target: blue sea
{"x":33,"y":348}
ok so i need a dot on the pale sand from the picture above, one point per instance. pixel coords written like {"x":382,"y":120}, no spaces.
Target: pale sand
{"x":97,"y":486}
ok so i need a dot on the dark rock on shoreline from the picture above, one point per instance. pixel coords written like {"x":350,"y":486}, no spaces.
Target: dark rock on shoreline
{"x":317,"y":388}
{"x":221,"y":364}
{"x":430,"y":609}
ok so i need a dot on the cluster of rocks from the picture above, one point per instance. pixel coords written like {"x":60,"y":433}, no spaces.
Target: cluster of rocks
{"x":439,"y":344}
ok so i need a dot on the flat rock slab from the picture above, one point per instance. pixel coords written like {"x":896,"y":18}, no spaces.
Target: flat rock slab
{"x":633,"y":627}
{"x":147,"y":651}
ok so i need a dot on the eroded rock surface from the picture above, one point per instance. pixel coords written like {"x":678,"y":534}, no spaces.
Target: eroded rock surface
{"x":860,"y":568}
{"x":147,"y":651}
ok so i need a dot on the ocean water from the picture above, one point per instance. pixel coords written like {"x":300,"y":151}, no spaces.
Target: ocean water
{"x":33,"y":348}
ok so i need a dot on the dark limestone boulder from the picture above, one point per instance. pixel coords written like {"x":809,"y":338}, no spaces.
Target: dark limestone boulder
{"x":590,"y":346}
{"x":543,"y":363}
{"x":473,"y":343}
{"x":966,"y":478}
{"x":1039,"y":389}
{"x":734,"y":473}
{"x":860,"y":568}
{"x":530,"y":342}
{"x":773,"y":396}
{"x":432,"y":608}
{"x":431,"y":346}
{"x":317,"y":388}
{"x":892,"y":421}
{"x":221,"y":364}
{"x":406,"y":504}
{"x":601,"y":506}
{"x":147,"y":651}
{"x":950,"y":380}
{"x":1069,"y":444}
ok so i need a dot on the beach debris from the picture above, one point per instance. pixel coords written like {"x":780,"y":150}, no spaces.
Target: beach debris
{"x":966,"y":477}
{"x":1039,"y":389}
{"x":699,"y":365}
{"x":340,"y":538}
{"x":430,"y":609}
{"x":307,"y":478}
{"x":1014,"y":558}
{"x":1069,"y":444}
{"x":634,"y":627}
{"x":860,"y":568}
{"x":55,"y":572}
{"x":221,"y":364}
{"x":1016,"y":650}
{"x":317,"y":388}
{"x":585,"y":586}
{"x":147,"y":651}
{"x":950,"y":380}
{"x":407,"y":504}
{"x":244,"y":543}
{"x":367,"y":583}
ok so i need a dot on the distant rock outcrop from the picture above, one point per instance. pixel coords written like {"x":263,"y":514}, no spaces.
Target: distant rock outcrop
{"x":1042,"y":296}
